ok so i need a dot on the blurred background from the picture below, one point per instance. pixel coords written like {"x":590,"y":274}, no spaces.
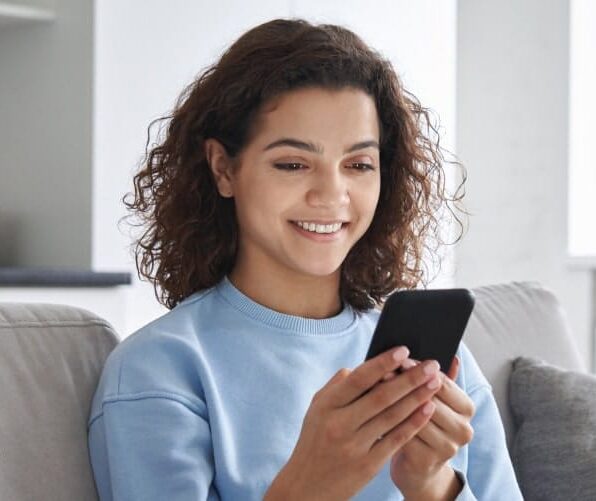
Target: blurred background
{"x":512,"y":82}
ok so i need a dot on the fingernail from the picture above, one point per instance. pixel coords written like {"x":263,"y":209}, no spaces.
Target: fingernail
{"x":433,"y":384}
{"x":408,"y":363}
{"x":401,"y":353}
{"x":431,"y":367}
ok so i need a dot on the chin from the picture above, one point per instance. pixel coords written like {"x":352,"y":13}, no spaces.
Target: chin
{"x":327,"y":271}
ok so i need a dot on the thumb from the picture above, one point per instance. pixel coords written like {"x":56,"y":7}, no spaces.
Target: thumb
{"x":454,"y":369}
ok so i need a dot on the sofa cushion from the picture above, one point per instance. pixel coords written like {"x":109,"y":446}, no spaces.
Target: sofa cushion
{"x":554,"y":448}
{"x":51,"y":357}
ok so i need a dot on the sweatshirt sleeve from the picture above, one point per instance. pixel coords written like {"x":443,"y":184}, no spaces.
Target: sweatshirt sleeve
{"x":489,"y":475}
{"x":152,"y":446}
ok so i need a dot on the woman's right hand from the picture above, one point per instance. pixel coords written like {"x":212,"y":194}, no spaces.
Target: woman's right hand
{"x":354,"y":425}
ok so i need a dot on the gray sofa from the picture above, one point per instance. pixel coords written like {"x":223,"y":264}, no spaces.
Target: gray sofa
{"x":51,"y":357}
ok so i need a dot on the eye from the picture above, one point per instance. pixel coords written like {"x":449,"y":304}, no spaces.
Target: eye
{"x":289,"y":166}
{"x":361,"y":166}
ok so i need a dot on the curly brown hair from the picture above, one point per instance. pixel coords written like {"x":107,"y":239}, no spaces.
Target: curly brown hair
{"x":190,"y":233}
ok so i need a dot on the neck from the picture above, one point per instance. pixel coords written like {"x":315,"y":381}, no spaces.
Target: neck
{"x":290,"y":293}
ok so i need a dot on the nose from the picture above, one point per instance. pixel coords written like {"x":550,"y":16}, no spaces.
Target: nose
{"x":329,"y":189}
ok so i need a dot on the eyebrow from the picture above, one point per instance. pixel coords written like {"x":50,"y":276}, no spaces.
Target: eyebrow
{"x":314,"y":148}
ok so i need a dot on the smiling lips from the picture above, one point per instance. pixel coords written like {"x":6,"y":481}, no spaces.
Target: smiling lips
{"x":320,"y":228}
{"x":320,"y":232}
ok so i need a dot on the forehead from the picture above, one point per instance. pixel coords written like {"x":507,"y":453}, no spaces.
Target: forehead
{"x":318,"y":114}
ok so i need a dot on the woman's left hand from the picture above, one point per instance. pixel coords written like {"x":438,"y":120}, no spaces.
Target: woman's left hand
{"x":420,"y":469}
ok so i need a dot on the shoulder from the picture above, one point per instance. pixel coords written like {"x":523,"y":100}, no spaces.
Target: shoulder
{"x":470,"y":377}
{"x":162,"y":356}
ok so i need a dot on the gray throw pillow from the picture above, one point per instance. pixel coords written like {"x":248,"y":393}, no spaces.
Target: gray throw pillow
{"x":554,"y":448}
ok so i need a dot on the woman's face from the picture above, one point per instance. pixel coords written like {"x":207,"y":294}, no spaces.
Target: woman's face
{"x":313,"y":160}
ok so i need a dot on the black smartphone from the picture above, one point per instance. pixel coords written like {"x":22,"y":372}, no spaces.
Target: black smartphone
{"x":429,"y":322}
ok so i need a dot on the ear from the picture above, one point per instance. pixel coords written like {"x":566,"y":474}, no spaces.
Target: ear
{"x":221,"y":167}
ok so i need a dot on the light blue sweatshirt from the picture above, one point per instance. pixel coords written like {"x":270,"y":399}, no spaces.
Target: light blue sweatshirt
{"x":207,"y":402}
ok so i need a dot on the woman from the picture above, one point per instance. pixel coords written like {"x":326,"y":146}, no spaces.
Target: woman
{"x":294,"y":190}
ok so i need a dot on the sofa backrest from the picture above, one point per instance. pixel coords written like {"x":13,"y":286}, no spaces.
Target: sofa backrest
{"x":517,"y":319}
{"x":51,"y":357}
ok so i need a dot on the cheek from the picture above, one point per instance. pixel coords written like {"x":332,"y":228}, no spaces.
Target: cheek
{"x":262,"y":200}
{"x":367,"y":197}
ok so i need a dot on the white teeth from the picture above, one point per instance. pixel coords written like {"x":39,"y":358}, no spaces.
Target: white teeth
{"x":320,"y":228}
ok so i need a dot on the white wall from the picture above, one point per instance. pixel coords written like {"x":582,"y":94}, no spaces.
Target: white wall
{"x":582,"y":111}
{"x":513,"y":60}
{"x":147,"y":51}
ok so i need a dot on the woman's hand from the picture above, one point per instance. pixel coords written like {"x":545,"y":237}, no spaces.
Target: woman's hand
{"x":355,"y":423}
{"x":420,"y":469}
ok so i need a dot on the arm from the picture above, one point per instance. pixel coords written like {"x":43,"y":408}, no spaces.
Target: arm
{"x":490,"y":474}
{"x":152,"y":446}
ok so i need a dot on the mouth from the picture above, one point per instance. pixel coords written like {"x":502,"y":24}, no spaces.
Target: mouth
{"x":322,"y":232}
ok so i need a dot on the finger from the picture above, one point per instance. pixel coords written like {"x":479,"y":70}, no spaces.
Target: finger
{"x":388,"y":393}
{"x":454,"y":368}
{"x":365,"y":376}
{"x":383,"y":448}
{"x":417,"y":453}
{"x":409,"y":363}
{"x":392,"y":402}
{"x":454,"y":397}
{"x":418,"y":456}
{"x":442,"y":444}
{"x":453,"y":425}
{"x":338,"y":376}
{"x":443,"y":415}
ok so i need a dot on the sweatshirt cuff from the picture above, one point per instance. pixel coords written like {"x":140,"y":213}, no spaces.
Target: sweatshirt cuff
{"x":465,"y":494}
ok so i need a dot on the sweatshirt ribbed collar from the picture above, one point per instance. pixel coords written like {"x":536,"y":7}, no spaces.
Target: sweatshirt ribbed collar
{"x":338,"y":324}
